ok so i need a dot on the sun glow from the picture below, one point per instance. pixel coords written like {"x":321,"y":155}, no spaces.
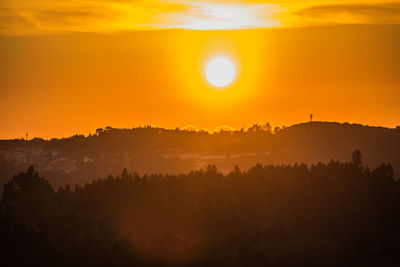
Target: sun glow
{"x":220,"y":72}
{"x":211,"y":16}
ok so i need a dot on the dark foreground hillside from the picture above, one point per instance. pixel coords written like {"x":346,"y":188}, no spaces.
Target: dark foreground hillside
{"x":81,"y":159}
{"x":334,"y":214}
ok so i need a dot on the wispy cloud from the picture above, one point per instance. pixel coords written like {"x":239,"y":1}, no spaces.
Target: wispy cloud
{"x":11,"y":22}
{"x":20,"y":17}
{"x":350,"y":14}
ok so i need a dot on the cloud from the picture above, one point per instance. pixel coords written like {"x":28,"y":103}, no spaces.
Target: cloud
{"x":72,"y":18}
{"x":86,"y":15}
{"x":350,"y":14}
{"x":15,"y":22}
{"x":21,"y":17}
{"x":126,"y":15}
{"x":200,"y":15}
{"x":11,"y":22}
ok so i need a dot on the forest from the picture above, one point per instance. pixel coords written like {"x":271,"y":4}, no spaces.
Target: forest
{"x":325,"y":214}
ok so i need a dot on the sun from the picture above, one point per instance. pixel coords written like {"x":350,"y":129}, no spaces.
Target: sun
{"x":220,"y":72}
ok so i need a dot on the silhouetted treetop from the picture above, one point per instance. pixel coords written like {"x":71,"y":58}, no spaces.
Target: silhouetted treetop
{"x":356,"y":157}
{"x":27,"y":185}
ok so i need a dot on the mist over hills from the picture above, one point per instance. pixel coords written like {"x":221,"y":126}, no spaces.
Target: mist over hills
{"x":80,"y":159}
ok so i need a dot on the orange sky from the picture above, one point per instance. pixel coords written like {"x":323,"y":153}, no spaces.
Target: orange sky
{"x":65,"y":70}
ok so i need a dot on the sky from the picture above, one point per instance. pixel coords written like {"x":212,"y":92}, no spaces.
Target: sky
{"x":69,"y":67}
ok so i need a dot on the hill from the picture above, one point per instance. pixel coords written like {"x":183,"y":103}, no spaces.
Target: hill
{"x":80,"y":159}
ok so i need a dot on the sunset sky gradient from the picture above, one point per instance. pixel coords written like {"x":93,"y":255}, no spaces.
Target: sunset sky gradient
{"x":70,"y":67}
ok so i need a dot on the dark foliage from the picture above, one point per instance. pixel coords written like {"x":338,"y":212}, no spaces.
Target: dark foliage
{"x":335,"y":214}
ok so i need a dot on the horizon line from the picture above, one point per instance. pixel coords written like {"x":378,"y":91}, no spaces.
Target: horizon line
{"x":216,"y":130}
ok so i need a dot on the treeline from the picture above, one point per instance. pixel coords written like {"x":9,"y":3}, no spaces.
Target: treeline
{"x":150,"y":138}
{"x":334,"y":214}
{"x":255,"y":138}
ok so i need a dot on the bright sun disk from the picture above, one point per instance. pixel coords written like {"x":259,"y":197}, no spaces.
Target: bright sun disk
{"x":220,"y":72}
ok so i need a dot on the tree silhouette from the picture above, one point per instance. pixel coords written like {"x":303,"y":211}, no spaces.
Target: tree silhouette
{"x":357,"y":158}
{"x":26,"y":186}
